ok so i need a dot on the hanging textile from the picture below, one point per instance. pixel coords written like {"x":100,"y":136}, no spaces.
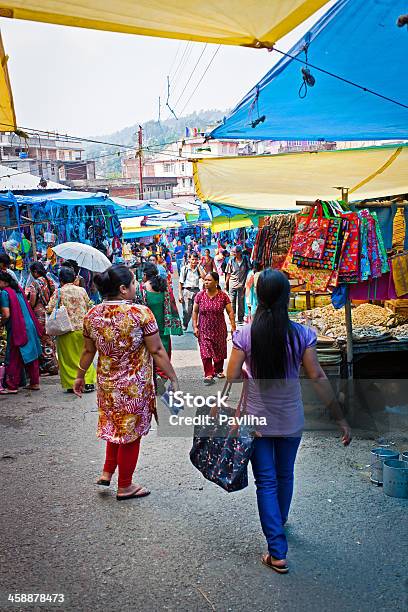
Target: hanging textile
{"x":274,"y":239}
{"x":332,"y":228}
{"x":349,"y":261}
{"x":311,"y":234}
{"x":318,"y":280}
{"x":399,"y":265}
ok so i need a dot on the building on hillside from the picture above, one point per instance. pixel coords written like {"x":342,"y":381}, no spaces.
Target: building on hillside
{"x":173,"y":162}
{"x":275,"y":147}
{"x":154,"y":188}
{"x":53,"y":158}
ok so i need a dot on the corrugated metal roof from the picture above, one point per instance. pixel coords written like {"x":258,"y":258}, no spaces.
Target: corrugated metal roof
{"x":15,"y":180}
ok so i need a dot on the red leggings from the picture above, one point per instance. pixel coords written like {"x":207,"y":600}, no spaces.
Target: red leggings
{"x":125,"y":457}
{"x":15,"y":369}
{"x":209,"y":368}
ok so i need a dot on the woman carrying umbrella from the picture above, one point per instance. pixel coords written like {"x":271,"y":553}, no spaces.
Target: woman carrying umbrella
{"x":70,"y":345}
{"x":39,"y":293}
{"x":23,"y":336}
{"x":126,"y":337}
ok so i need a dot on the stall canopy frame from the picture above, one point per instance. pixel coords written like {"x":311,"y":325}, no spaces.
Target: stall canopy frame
{"x":230,"y":22}
{"x":354,"y":53}
{"x":277,"y":182}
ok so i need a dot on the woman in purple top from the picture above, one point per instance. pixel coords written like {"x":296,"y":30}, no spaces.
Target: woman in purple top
{"x":271,"y":351}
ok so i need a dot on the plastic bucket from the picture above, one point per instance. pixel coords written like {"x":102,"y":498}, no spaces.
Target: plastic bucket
{"x":396,"y":478}
{"x":378,"y":456}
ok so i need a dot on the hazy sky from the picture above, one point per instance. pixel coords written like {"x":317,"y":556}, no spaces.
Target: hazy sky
{"x":85,"y":82}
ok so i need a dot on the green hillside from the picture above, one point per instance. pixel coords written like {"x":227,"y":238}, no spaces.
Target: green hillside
{"x":155,"y":135}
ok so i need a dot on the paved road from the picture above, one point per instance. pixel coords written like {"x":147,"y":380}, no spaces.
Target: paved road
{"x":189,"y":546}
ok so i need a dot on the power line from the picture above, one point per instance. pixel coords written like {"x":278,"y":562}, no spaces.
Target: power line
{"x":191,"y":74}
{"x":336,"y":76}
{"x":199,"y":82}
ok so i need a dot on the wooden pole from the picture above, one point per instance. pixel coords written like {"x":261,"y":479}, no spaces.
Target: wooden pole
{"x":347,"y":308}
{"x":32,"y":232}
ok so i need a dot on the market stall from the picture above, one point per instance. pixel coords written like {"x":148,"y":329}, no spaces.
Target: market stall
{"x":32,"y":224}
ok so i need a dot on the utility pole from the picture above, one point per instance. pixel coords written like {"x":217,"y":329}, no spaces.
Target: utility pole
{"x":140,"y":162}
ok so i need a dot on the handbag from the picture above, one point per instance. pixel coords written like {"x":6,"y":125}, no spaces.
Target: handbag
{"x":332,"y":246}
{"x":221,"y":452}
{"x":58,"y":322}
{"x":311,"y":234}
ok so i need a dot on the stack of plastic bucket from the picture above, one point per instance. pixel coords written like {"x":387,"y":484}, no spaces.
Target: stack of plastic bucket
{"x":395,"y":476}
{"x":378,"y":456}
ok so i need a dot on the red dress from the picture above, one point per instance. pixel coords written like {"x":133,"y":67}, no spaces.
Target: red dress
{"x":212,"y":327}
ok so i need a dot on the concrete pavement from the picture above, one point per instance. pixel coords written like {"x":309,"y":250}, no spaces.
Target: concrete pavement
{"x":189,"y":546}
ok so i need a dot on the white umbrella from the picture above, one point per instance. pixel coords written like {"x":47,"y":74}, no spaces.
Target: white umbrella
{"x":85,"y":255}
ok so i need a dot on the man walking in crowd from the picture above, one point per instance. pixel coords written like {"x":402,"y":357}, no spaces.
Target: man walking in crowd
{"x":236,"y":272}
{"x":179,"y":251}
{"x":189,"y":286}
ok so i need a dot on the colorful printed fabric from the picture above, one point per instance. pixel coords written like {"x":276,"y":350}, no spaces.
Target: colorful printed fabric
{"x":365,"y":268}
{"x":330,"y":252}
{"x":381,"y":247}
{"x":310,"y":237}
{"x":172,"y":321}
{"x":319,"y":280}
{"x":399,"y":265}
{"x":212,"y":337}
{"x":126,"y":396}
{"x":349,"y":260}
{"x":76,"y":301}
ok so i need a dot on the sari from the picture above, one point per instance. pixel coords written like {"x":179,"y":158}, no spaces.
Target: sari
{"x":41,"y":290}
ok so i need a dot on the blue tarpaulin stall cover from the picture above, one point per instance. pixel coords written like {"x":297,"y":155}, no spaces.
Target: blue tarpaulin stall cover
{"x":357,"y":40}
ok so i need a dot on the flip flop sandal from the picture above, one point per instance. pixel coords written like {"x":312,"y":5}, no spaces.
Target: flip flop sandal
{"x":8,"y":392}
{"x":137,"y":493}
{"x":280,"y":569}
{"x":102,"y":482}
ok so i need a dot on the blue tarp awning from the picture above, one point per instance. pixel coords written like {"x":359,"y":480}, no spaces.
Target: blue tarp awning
{"x":357,"y":40}
{"x":62,"y":198}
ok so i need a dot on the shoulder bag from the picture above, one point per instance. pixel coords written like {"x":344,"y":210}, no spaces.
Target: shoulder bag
{"x":222,"y":452}
{"x":58,"y":322}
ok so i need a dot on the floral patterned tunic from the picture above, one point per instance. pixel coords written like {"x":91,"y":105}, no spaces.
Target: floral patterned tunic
{"x":126,"y":396}
{"x":212,"y":327}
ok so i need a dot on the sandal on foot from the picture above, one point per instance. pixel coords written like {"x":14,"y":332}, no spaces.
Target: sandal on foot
{"x":280,"y":569}
{"x":103,"y":482}
{"x":140,"y":492}
{"x":8,"y":391}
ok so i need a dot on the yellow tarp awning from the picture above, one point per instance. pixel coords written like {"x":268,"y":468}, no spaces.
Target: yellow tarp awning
{"x":223,"y":224}
{"x":229,"y":22}
{"x":277,"y":181}
{"x":7,"y":114}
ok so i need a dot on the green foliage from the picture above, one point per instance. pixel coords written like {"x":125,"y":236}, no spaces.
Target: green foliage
{"x":155,"y":134}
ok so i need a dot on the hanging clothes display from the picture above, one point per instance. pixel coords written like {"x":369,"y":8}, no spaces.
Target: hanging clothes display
{"x":274,"y":239}
{"x":399,"y":266}
{"x":318,"y":239}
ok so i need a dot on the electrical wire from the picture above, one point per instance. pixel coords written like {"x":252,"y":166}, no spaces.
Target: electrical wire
{"x":190,"y":75}
{"x":343,"y":79}
{"x":202,"y":77}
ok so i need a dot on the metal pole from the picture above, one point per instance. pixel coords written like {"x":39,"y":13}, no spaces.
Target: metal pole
{"x":141,"y":196}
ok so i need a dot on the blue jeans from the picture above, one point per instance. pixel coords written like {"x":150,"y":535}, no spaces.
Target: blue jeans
{"x":273,"y":460}
{"x":179,"y":263}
